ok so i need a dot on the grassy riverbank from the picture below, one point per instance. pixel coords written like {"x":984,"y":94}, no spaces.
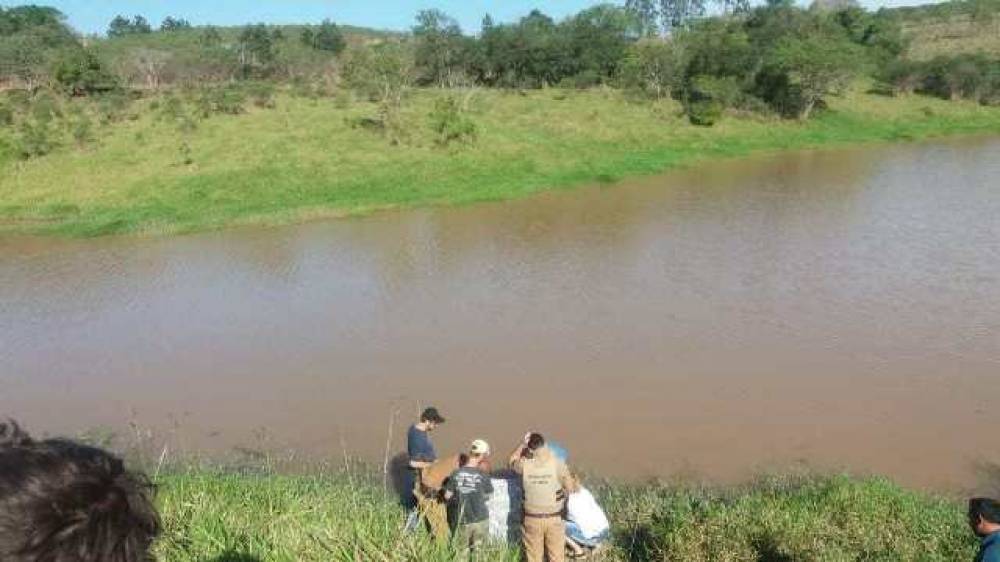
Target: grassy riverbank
{"x":304,"y":159}
{"x":230,"y":517}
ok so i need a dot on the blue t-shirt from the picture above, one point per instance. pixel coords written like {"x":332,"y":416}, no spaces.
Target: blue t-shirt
{"x":419,"y":446}
{"x":990,"y":551}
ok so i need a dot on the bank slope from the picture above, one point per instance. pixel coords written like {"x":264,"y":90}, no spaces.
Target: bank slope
{"x":348,"y":517}
{"x":310,"y":158}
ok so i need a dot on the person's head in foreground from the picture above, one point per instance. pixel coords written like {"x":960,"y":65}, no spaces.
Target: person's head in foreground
{"x":984,"y":516}
{"x":61,"y":501}
{"x":430,"y":419}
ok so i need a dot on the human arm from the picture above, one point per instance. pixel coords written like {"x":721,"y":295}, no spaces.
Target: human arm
{"x":518,"y":453}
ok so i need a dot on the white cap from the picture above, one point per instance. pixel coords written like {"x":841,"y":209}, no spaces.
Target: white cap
{"x":479,"y":447}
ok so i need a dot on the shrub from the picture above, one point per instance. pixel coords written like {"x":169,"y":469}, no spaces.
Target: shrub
{"x":45,"y":108}
{"x":83,"y":130}
{"x":810,"y":519}
{"x":704,"y":113}
{"x":227,"y":100}
{"x":172,"y":109}
{"x":450,"y":124}
{"x":960,"y":76}
{"x":901,"y":76}
{"x":706,"y":97}
{"x":261,"y":94}
{"x":6,"y":115}
{"x":34,"y":140}
{"x":79,"y":72}
{"x":112,"y":106}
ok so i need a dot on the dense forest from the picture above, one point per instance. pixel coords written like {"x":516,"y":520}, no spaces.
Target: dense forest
{"x":775,"y":59}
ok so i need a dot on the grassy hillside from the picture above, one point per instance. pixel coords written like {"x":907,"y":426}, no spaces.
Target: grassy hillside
{"x":949,"y":28}
{"x":228,"y":517}
{"x":315,"y":157}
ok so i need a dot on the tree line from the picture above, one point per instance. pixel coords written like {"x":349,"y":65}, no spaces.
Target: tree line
{"x":775,"y":59}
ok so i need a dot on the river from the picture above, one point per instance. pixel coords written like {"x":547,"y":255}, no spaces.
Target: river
{"x":838,"y":310}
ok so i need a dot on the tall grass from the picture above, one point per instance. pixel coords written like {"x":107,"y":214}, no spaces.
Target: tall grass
{"x":218,"y":516}
{"x":304,"y":159}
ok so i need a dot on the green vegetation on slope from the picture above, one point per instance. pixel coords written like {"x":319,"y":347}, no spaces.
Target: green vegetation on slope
{"x":949,"y":28}
{"x":310,"y":158}
{"x":348,"y":517}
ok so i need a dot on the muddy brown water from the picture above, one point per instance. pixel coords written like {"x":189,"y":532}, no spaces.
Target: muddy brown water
{"x":839,"y":310}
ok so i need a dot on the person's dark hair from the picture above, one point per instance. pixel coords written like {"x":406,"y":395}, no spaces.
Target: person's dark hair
{"x":431,"y":415}
{"x":463,"y":459}
{"x":61,"y":501}
{"x":986,"y":508}
{"x":536,"y":441}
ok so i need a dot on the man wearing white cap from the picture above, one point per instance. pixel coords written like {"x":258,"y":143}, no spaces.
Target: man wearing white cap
{"x":465,"y":492}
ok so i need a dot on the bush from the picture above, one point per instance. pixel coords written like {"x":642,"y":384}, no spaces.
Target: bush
{"x":112,"y":106}
{"x":6,"y":115}
{"x":83,"y":130}
{"x":45,"y":108}
{"x":227,"y":100}
{"x":901,"y":76}
{"x":79,"y":72}
{"x":810,"y":519}
{"x":450,"y":124}
{"x":582,"y":81}
{"x":961,"y":76}
{"x":171,"y":110}
{"x":261,"y":94}
{"x":704,"y":113}
{"x":706,"y":97}
{"x":34,"y":140}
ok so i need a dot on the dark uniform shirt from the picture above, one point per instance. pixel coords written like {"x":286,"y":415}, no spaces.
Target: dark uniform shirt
{"x":469,"y":488}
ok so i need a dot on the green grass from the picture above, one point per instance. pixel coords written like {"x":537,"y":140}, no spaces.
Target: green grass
{"x":303,"y":160}
{"x":218,"y":517}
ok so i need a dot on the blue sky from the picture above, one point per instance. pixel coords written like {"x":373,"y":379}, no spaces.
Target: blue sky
{"x":92,"y":16}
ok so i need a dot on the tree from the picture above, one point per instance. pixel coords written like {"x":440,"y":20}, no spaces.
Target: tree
{"x":652,"y":66}
{"x":149,"y":64}
{"x":210,"y":37}
{"x":140,"y":25}
{"x":677,"y":14}
{"x":121,"y":26}
{"x":256,"y":49}
{"x":174,"y":24}
{"x":815,"y":66}
{"x":21,"y":18}
{"x":329,"y":38}
{"x":307,"y":37}
{"x":23,"y":57}
{"x":598,"y":38}
{"x":79,"y":72}
{"x":383,"y":73}
{"x":438,"y":47}
{"x":647,"y":13}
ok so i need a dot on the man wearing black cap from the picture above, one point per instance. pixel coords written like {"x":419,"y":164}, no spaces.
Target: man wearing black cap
{"x":421,"y":456}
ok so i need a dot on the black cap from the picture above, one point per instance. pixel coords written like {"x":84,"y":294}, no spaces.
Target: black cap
{"x":431,"y":415}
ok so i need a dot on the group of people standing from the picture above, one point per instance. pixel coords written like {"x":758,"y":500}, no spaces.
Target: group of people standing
{"x":559,"y":514}
{"x":64,"y":501}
